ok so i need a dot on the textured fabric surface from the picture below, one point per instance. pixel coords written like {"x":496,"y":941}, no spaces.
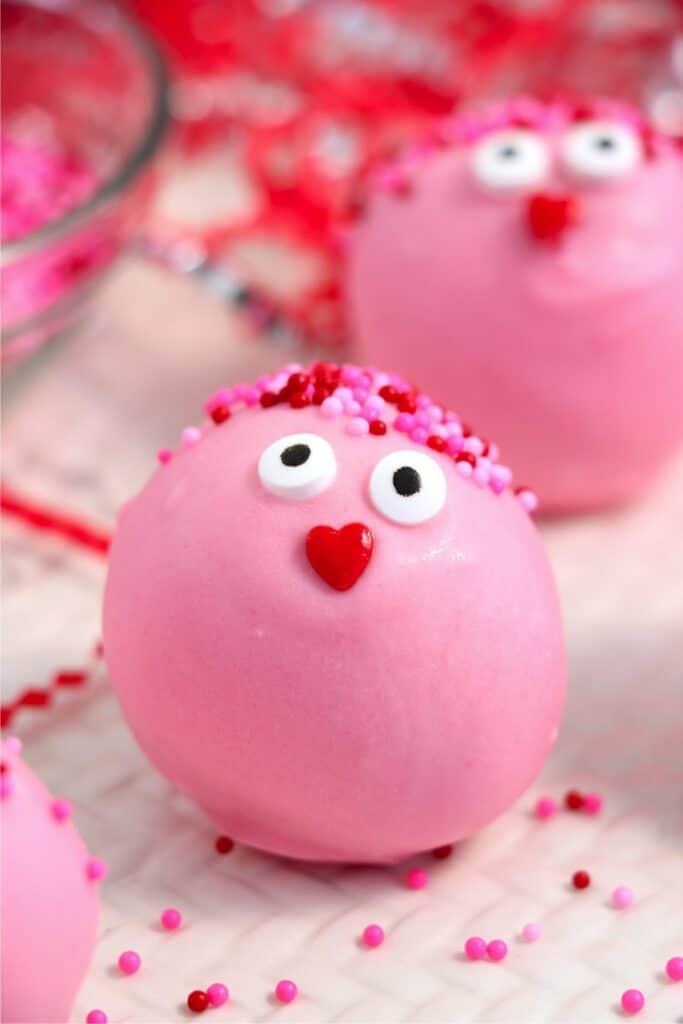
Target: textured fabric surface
{"x":81,"y":428}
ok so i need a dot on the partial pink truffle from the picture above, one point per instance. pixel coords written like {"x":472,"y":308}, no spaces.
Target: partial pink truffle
{"x":532,"y":274}
{"x":49,"y":907}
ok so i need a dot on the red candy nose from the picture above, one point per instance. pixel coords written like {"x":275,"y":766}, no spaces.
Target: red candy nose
{"x":340,"y":556}
{"x":548,"y":217}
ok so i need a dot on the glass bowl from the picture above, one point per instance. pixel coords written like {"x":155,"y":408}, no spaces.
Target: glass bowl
{"x":85,"y":91}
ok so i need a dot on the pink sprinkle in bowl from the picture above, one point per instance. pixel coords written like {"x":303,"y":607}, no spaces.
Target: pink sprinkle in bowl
{"x":84,"y":111}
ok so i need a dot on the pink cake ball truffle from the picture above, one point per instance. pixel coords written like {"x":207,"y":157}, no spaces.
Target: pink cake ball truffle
{"x":532,"y":275}
{"x":49,"y":906}
{"x":339,"y":646}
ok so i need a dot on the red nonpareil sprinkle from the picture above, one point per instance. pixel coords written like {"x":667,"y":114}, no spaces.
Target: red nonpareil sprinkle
{"x":573,"y":800}
{"x":75,"y":678}
{"x":320,"y":394}
{"x":378,"y":427}
{"x":407,"y":403}
{"x":436,"y":442}
{"x":443,"y":852}
{"x":466,"y":457}
{"x":219,"y":414}
{"x":389,"y":394}
{"x":581,"y":879}
{"x":224,"y":844}
{"x":299,"y":400}
{"x":197,"y":1001}
{"x":268,"y":399}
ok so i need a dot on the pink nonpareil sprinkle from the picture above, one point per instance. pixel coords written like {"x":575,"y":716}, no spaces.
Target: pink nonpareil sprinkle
{"x":632,"y":1001}
{"x":545,"y":807}
{"x":622,"y":897}
{"x":373,"y":936}
{"x":497,"y":950}
{"x":531,"y":932}
{"x":592,"y":803}
{"x":417,"y":878}
{"x":475,"y":948}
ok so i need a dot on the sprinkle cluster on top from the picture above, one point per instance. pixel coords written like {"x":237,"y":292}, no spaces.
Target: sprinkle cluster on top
{"x":371,"y":402}
{"x":520,"y":112}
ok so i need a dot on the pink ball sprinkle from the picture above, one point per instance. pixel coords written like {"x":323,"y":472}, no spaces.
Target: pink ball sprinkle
{"x":171,"y":919}
{"x":373,"y":935}
{"x":528,"y":500}
{"x":404,"y":422}
{"x":632,"y":1000}
{"x":454,"y":444}
{"x":331,"y":408}
{"x":417,"y":878}
{"x":622,"y":897}
{"x":357,"y":426}
{"x":419,"y":435}
{"x":129,"y":962}
{"x":286,"y":991}
{"x":497,"y":950}
{"x":592,"y":803}
{"x":530,"y":932}
{"x":6,"y":787}
{"x":96,"y":1017}
{"x":190,"y":437}
{"x":61,"y":810}
{"x":164,"y":456}
{"x":95,"y":869}
{"x":674,"y":968}
{"x":218,"y":994}
{"x":13,"y":745}
{"x":475,"y":948}
{"x":545,"y":807}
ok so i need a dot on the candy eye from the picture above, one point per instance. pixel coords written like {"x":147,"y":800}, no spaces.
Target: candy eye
{"x":510,"y":159}
{"x":408,"y":487}
{"x":602,"y":150}
{"x":297,"y":466}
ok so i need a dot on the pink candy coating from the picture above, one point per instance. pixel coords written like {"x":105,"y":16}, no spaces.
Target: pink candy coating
{"x":497,"y":949}
{"x":674,"y":968}
{"x":218,"y":994}
{"x":531,"y":932}
{"x":96,"y":1017}
{"x":632,"y":1001}
{"x":347,"y":780}
{"x":286,"y":991}
{"x":545,"y":807}
{"x":129,"y":962}
{"x":171,"y":919}
{"x":475,"y":948}
{"x":622,"y":897}
{"x":373,"y":935}
{"x":417,"y":878}
{"x":48,"y":904}
{"x":567,"y":352}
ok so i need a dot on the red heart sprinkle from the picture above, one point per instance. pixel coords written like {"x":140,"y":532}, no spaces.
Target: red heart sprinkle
{"x":340,"y":556}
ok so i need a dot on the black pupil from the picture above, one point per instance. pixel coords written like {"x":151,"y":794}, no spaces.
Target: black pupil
{"x":604,"y":142}
{"x":509,"y":152}
{"x":407,"y":481}
{"x":295,"y":455}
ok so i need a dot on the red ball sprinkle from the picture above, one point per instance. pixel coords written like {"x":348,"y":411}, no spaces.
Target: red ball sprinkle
{"x":299,"y":400}
{"x":443,"y":852}
{"x":407,"y":403}
{"x":320,"y":394}
{"x":268,"y":399}
{"x":197,"y":1001}
{"x":378,"y":427}
{"x":573,"y":800}
{"x":224,"y":844}
{"x":436,"y":442}
{"x":581,"y":879}
{"x":219,"y":414}
{"x":466,"y":457}
{"x":389,"y":393}
{"x":297,"y":382}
